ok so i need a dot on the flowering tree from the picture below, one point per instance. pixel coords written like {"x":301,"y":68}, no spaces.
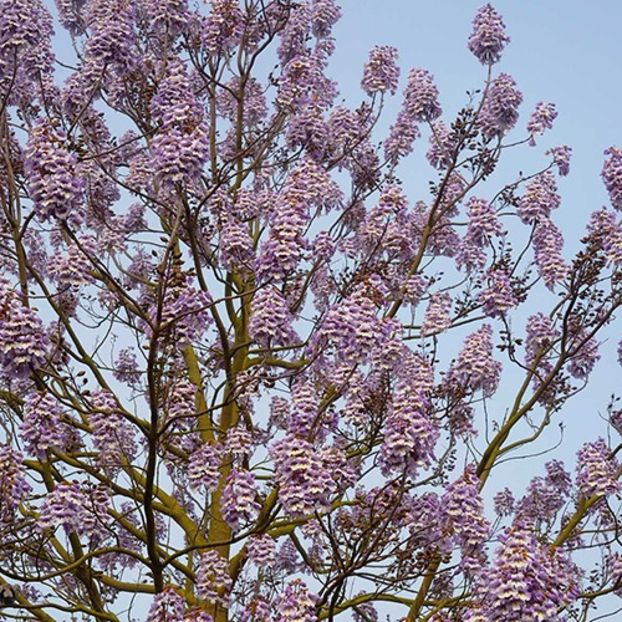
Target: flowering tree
{"x":243,"y":376}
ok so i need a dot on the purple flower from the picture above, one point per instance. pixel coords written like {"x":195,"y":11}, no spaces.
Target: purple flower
{"x":605,"y":228}
{"x":126,"y":368}
{"x":213,"y":582}
{"x":561,"y":158}
{"x":612,"y":176}
{"x":441,"y":146}
{"x":238,"y":498}
{"x":271,"y":319}
{"x":420,"y":104}
{"x":204,"y":467}
{"x":167,"y":18}
{"x":541,"y":119}
{"x":261,"y":550}
{"x":64,"y":507}
{"x":475,"y":368}
{"x":528,"y":580}
{"x":488,"y":37}
{"x":13,"y":484}
{"x":167,"y":606}
{"x":410,"y":434}
{"x":183,"y":314}
{"x":499,"y":112}
{"x":548,"y":244}
{"x":53,"y":178}
{"x":174,"y":103}
{"x":296,"y":603}
{"x":26,"y":56}
{"x":42,"y":427}
{"x":504,"y":502}
{"x":23,"y":342}
{"x":305,"y":485}
{"x":381,"y":72}
{"x":70,"y":13}
{"x":421,"y":96}
{"x":597,"y":470}
{"x":540,"y":336}
{"x":498,"y":297}
{"x":222,"y":29}
{"x":463,"y":515}
{"x":483,"y":225}
{"x":540,"y":198}
{"x":111,"y":433}
{"x":437,"y":317}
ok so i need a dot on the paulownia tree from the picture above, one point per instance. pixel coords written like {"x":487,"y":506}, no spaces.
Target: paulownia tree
{"x":243,"y":376}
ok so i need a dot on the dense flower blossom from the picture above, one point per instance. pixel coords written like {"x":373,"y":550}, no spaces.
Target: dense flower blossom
{"x":420,"y":104}
{"x":213,"y":581}
{"x":584,"y":355}
{"x":350,"y":326}
{"x":64,"y":507}
{"x":324,"y":15}
{"x":296,"y":603}
{"x":410,"y":433}
{"x":23,"y":342}
{"x":605,"y":227}
{"x":437,"y":314}
{"x":597,"y":470}
{"x":488,"y":37}
{"x":236,"y":245}
{"x":421,"y":96}
{"x":463,"y":510}
{"x":183,"y":313}
{"x":25,"y":49}
{"x":540,"y":336}
{"x":284,"y":326}
{"x":381,"y":72}
{"x":307,"y":189}
{"x":126,"y":367}
{"x":238,"y":498}
{"x":612,"y":176}
{"x":42,"y":427}
{"x":504,"y":502}
{"x":539,"y":199}
{"x":561,"y":158}
{"x":174,"y":103}
{"x":498,"y":297}
{"x":271,"y":321}
{"x":13,"y":484}
{"x":53,"y":179}
{"x":528,"y":580}
{"x":441,"y":146}
{"x":545,"y":497}
{"x":111,"y":433}
{"x":305,"y":485}
{"x":222,"y":29}
{"x":499,"y":112}
{"x":475,"y":369}
{"x":70,"y":14}
{"x":548,"y":244}
{"x":541,"y":119}
{"x":483,"y":225}
{"x":167,"y":606}
{"x":261,"y":550}
{"x":167,"y":18}
{"x":178,"y":157}
{"x":203,"y":467}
